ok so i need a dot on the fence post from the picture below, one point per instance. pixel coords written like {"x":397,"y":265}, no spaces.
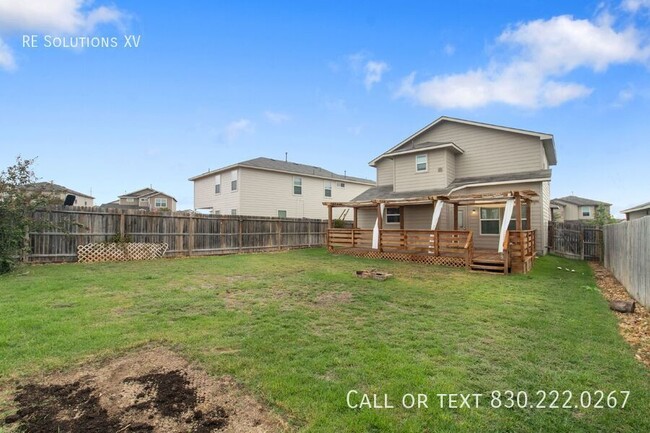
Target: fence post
{"x":581,"y":243}
{"x":309,"y":233}
{"x":240,"y":236}
{"x":278,"y":234}
{"x":122,"y":226}
{"x":190,"y":240}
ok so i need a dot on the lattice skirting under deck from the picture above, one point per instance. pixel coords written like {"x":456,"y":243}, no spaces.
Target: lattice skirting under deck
{"x":456,"y":262}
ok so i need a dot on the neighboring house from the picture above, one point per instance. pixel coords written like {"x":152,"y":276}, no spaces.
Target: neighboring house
{"x":574,"y":208}
{"x":478,"y":169}
{"x":272,"y":188}
{"x":61,"y":192}
{"x":637,"y":212}
{"x":146,"y":198}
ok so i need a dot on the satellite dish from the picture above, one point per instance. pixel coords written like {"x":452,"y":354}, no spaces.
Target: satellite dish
{"x":69,"y":200}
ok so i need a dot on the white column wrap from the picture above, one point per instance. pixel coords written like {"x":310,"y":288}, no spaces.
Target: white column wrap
{"x":436,"y":214}
{"x":375,"y":230}
{"x":507,"y":215}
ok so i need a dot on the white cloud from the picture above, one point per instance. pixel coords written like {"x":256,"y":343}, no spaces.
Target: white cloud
{"x":373,"y":70}
{"x":6,"y":57}
{"x":236,"y":128}
{"x":635,"y":5}
{"x":57,"y":16}
{"x":449,"y":49}
{"x":276,"y":117}
{"x":543,"y":51}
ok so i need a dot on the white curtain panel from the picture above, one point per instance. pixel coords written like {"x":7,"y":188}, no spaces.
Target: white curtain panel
{"x":507,"y":215}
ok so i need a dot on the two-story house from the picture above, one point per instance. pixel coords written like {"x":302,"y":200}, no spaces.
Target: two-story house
{"x":273,"y":188}
{"x":60,"y":192}
{"x":483,"y":173}
{"x":145,"y":198}
{"x":574,"y":208}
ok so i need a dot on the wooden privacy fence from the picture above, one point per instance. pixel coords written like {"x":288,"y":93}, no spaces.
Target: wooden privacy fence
{"x":627,"y":256}
{"x":575,"y":240}
{"x":185,"y":234}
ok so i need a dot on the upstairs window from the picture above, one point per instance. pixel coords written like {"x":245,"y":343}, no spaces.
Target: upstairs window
{"x":161,"y":202}
{"x":297,"y":185}
{"x":421,"y":163}
{"x":340,"y":184}
{"x":233,"y":180}
{"x":233,"y":211}
{"x":328,"y":188}
{"x":217,"y":184}
{"x":392,"y":215}
{"x":586,"y":211}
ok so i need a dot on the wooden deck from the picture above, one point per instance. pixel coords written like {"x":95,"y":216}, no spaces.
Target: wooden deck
{"x":446,"y":248}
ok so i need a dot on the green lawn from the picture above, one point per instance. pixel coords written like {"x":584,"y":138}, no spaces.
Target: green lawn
{"x":299,"y":330}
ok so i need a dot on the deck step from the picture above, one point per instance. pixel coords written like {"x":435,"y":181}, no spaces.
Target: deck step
{"x":477,"y":267}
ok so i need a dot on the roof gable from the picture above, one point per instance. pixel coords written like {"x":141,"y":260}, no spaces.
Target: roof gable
{"x":578,"y":201}
{"x":546,"y":139}
{"x":637,"y":208}
{"x":145,"y":193}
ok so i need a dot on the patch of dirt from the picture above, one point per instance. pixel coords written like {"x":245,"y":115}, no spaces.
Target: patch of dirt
{"x":329,"y":298}
{"x":634,"y":327}
{"x":152,"y":390}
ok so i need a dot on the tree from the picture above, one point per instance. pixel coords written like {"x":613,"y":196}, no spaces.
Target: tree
{"x":602,"y":216}
{"x":18,"y":201}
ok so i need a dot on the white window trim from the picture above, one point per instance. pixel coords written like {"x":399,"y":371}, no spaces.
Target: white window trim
{"x":480,"y":226}
{"x":399,"y":214}
{"x":426,"y":163}
{"x":327,"y":185}
{"x":217,"y":181}
{"x":234,"y":178}
{"x":155,"y":202}
{"x":286,"y":215}
{"x":582,"y":212}
{"x":293,"y":186}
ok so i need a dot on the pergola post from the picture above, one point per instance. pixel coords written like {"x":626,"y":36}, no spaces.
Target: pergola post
{"x":355,"y":216}
{"x":518,"y":210}
{"x":329,"y":216}
{"x":528,"y":213}
{"x":455,"y":216}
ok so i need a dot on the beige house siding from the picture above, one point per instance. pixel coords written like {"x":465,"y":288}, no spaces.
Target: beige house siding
{"x":385,"y":172}
{"x":408,"y":179}
{"x":638,"y":214}
{"x":487,"y":151}
{"x":546,"y":214}
{"x":264,"y":193}
{"x":171,"y":203}
{"x":224,"y":202}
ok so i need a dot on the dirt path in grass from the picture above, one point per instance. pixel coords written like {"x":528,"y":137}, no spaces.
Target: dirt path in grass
{"x":152,"y":390}
{"x":634,"y":327}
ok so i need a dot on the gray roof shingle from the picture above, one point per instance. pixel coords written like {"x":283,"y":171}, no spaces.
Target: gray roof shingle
{"x":579,"y":201}
{"x":290,"y":167}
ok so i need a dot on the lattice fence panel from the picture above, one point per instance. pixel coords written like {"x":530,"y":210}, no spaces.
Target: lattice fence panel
{"x":112,"y":252}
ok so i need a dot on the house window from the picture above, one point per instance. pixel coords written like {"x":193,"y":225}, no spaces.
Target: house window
{"x":161,"y":202}
{"x":512,"y":225}
{"x":130,"y":200}
{"x":421,"y":163}
{"x":392,"y":215}
{"x":233,"y":181}
{"x":282,"y":214}
{"x":216,"y":212}
{"x":233,"y":211}
{"x":490,"y":220}
{"x":328,"y":188}
{"x":217,"y":184}
{"x":144,"y":202}
{"x":586,"y":211}
{"x":340,"y":184}
{"x":297,"y":185}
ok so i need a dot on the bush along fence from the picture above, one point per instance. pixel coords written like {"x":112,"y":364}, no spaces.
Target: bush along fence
{"x":184,"y":234}
{"x":627,"y":256}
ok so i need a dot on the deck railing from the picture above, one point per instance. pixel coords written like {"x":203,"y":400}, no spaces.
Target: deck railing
{"x":455,"y":243}
{"x":521,"y":249}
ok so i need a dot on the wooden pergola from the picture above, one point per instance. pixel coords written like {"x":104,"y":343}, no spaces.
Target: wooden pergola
{"x":515,"y":249}
{"x":524,"y":197}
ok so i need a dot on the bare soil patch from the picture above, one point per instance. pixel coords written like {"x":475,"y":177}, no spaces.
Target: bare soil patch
{"x":634,"y":327}
{"x":152,"y":390}
{"x":330,"y":298}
